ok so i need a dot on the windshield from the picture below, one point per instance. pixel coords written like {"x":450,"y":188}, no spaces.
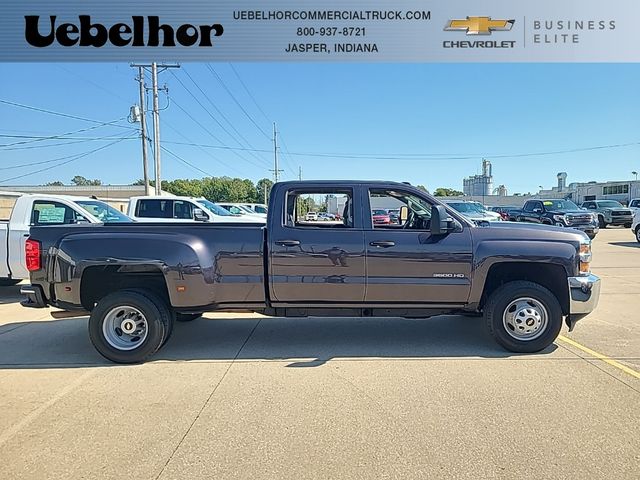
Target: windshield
{"x":246,"y":209}
{"x":560,"y":205}
{"x":213,"y":208}
{"x":465,"y":207}
{"x":102,"y":211}
{"x":610,"y":204}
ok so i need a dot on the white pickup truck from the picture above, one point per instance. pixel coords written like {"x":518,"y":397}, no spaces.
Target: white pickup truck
{"x":173,"y":208}
{"x":21,"y":211}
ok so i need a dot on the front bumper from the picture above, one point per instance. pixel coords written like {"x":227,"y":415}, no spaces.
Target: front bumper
{"x":619,"y":220}
{"x":588,"y":229}
{"x":35,"y":296}
{"x":584,"y":293}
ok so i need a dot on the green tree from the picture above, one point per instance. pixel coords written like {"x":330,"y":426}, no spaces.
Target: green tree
{"x":263,"y":185}
{"x":57,"y":183}
{"x":423,"y":188}
{"x":447,"y":192}
{"x":81,"y":181}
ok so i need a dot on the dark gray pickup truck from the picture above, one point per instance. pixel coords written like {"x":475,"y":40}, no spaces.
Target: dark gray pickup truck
{"x":135,"y":280}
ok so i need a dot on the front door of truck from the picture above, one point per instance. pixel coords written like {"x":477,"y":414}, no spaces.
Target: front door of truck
{"x":319,"y":260}
{"x":406,"y":264}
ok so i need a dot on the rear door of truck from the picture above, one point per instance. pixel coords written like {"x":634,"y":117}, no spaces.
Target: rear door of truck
{"x":316,"y":261}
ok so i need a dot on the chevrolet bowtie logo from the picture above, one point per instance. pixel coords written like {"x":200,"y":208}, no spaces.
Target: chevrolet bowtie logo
{"x":479,"y":25}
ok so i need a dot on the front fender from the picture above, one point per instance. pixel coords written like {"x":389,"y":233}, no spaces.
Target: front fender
{"x":492,"y":252}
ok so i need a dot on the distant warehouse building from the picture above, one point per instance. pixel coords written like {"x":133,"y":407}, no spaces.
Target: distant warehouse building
{"x":622,"y":191}
{"x":116,"y":195}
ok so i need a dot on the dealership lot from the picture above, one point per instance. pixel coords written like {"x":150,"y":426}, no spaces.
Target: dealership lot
{"x":242,"y":396}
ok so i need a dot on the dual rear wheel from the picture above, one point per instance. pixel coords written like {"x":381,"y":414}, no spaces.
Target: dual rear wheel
{"x":129,"y":326}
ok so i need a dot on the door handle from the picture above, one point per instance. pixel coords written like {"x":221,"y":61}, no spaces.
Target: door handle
{"x":288,"y":243}
{"x":382,"y":243}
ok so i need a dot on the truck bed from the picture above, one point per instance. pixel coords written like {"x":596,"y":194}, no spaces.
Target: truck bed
{"x":204,"y":264}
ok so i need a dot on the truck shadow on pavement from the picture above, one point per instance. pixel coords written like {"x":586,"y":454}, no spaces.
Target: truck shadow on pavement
{"x":625,"y":244}
{"x":304,"y":342}
{"x":10,"y":295}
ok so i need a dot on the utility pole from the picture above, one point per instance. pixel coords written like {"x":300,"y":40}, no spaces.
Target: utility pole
{"x":156,"y":117}
{"x":143,"y":130}
{"x":276,"y":170}
{"x":299,"y":172}
{"x":156,"y":126}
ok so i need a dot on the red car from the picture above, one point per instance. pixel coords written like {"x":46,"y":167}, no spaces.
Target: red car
{"x":381,"y":217}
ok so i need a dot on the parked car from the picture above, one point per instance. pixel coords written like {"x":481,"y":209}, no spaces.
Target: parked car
{"x":559,"y":212}
{"x":634,"y":204}
{"x":380,"y":216}
{"x":311,"y":216}
{"x":473,"y":211}
{"x":41,"y":210}
{"x":507,"y":213}
{"x":164,"y":208}
{"x":260,"y":208}
{"x":610,"y":212}
{"x":524,"y":279}
{"x":635,"y":226}
{"x":394,"y":215}
{"x":239,"y":209}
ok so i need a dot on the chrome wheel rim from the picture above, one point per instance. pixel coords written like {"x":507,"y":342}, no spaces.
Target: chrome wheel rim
{"x":638,"y":234}
{"x":125,"y":327}
{"x":525,"y":319}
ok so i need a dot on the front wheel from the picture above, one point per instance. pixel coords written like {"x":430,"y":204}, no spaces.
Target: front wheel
{"x":128,"y":326}
{"x":638,"y":233}
{"x":601,"y":222}
{"x":523,"y":317}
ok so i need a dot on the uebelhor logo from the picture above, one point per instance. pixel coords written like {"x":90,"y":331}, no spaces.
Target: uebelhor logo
{"x":120,"y":34}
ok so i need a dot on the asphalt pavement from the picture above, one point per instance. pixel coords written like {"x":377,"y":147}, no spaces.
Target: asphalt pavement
{"x":250,"y":397}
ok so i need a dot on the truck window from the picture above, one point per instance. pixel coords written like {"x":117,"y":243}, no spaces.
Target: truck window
{"x":182,"y":210}
{"x":385,"y":210}
{"x":531,"y":206}
{"x":154,"y":208}
{"x":319,"y":209}
{"x":53,"y":213}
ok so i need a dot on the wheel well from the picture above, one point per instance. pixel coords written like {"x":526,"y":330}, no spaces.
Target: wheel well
{"x":552,"y":277}
{"x":99,"y":281}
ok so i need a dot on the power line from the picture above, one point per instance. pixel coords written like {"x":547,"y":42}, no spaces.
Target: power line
{"x":59,"y":114}
{"x":186,"y":162}
{"x":224,"y":117}
{"x":71,"y":158}
{"x":73,"y":142}
{"x":34,"y":139}
{"x":233,"y":97}
{"x":249,"y":93}
{"x":433,"y":156}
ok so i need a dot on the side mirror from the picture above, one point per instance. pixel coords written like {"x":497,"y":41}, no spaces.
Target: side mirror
{"x":199,"y":215}
{"x":404,"y":214}
{"x":440,"y":221}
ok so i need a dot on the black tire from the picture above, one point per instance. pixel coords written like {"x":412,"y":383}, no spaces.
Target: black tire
{"x":638,"y":233}
{"x":8,"y":282}
{"x":627,"y":225}
{"x":187,"y":317}
{"x":500,"y":300}
{"x":158,"y":299}
{"x":158,"y":319}
{"x":601,"y":222}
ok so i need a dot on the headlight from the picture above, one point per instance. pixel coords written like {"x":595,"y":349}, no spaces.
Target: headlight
{"x":560,"y":218}
{"x":585,"y":258}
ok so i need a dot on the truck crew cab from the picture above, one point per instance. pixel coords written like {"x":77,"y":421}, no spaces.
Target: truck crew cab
{"x":135,"y":280}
